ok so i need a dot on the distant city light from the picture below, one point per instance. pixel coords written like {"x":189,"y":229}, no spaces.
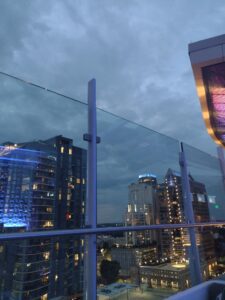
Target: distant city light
{"x":13,"y":224}
{"x":147,"y":175}
{"x":212,"y":199}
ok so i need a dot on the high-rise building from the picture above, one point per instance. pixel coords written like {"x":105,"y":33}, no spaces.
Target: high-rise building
{"x":175,"y":242}
{"x":140,"y":210}
{"x":42,"y":186}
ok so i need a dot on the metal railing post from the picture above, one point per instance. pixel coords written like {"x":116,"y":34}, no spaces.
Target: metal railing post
{"x":90,"y":257}
{"x":220,"y":155}
{"x":194,"y":260}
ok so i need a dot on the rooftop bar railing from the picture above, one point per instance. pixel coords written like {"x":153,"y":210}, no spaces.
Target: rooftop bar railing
{"x":144,"y":243}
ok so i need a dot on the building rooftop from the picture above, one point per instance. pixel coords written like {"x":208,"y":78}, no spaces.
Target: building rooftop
{"x":207,"y":43}
{"x":167,"y":267}
{"x":114,"y":289}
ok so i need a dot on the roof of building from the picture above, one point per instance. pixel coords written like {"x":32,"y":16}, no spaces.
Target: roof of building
{"x":207,"y":43}
{"x":167,"y":267}
{"x":114,"y":289}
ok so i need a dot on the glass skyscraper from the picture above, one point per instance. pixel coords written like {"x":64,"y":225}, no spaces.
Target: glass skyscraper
{"x":42,"y":187}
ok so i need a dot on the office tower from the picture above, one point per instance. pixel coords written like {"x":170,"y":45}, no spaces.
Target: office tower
{"x":140,"y":210}
{"x":42,"y":186}
{"x":178,"y":239}
{"x":67,"y":262}
{"x":131,"y":258}
{"x":173,"y":194}
{"x":27,"y":185}
{"x":163,"y":236}
{"x":205,"y":240}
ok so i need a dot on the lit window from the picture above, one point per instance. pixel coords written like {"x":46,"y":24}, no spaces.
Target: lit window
{"x":78,"y":180}
{"x":76,"y":257}
{"x":45,"y":280}
{"x":1,"y":249}
{"x":60,"y":196}
{"x":83,"y":181}
{"x":46,"y":255}
{"x":44,"y":297}
{"x":129,"y":208}
{"x":62,"y":150}
{"x":56,"y":277}
{"x":70,"y":151}
{"x":34,"y":186}
{"x":68,"y":216}
{"x":49,"y":209}
{"x":57,"y":246}
{"x":48,"y":224}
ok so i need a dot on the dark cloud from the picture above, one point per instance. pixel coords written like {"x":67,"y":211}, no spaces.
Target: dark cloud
{"x":137,"y":51}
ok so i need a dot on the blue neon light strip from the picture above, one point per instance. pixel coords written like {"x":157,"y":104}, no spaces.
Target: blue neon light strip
{"x":18,"y":160}
{"x":147,"y":175}
{"x":14,"y":224}
{"x":20,"y":149}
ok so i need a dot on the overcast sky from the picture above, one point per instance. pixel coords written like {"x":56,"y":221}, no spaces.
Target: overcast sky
{"x":136,"y":50}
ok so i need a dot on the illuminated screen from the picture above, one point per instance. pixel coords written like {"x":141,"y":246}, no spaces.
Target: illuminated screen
{"x":214,"y":81}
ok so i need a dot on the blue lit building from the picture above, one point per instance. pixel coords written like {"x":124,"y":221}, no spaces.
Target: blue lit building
{"x":42,"y":186}
{"x":20,"y":179}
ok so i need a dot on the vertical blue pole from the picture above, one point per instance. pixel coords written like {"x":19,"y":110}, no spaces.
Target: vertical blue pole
{"x":90,"y":263}
{"x":194,"y":260}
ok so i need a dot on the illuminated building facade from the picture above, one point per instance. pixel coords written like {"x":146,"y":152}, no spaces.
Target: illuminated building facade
{"x":22,"y":184}
{"x":140,"y":210}
{"x":207,"y":59}
{"x":173,"y":194}
{"x":42,"y":186}
{"x":166,"y":275}
{"x":67,"y":262}
{"x":175,"y":242}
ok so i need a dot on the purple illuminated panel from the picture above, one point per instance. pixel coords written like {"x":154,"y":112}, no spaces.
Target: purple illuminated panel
{"x":214,"y":81}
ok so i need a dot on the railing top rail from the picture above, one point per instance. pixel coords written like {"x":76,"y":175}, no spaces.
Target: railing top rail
{"x":101,"y":230}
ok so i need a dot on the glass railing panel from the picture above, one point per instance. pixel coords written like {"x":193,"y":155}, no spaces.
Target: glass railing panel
{"x":207,"y":185}
{"x":210,"y":244}
{"x":147,"y":272}
{"x":134,"y":169}
{"x":43,"y":158}
{"x":208,"y":199}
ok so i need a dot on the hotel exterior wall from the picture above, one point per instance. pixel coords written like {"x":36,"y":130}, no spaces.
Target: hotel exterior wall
{"x":204,"y":54}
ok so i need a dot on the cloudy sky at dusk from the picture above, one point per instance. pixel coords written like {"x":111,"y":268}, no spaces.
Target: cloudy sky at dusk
{"x":136,"y":50}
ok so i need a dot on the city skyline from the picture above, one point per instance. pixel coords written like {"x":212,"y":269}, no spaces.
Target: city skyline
{"x":146,"y":205}
{"x":110,"y":186}
{"x":161,"y":258}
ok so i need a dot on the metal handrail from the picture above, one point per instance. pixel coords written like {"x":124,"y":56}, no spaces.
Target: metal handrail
{"x":101,"y":230}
